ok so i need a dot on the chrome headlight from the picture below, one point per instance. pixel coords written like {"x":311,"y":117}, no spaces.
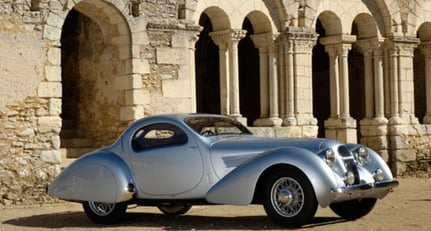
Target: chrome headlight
{"x":328,"y":155}
{"x":378,"y":174}
{"x":349,"y":179}
{"x":361,"y":154}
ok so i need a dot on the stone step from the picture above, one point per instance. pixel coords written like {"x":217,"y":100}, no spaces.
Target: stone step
{"x":76,"y":143}
{"x":67,"y":153}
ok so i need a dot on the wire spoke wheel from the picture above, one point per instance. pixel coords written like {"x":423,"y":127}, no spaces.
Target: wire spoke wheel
{"x":287,"y":197}
{"x":104,"y":213}
{"x":101,"y":209}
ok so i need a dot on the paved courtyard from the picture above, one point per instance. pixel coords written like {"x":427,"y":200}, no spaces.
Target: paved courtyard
{"x":408,"y":208}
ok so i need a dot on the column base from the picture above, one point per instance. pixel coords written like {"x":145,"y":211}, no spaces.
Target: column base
{"x":267,"y":122}
{"x":342,"y":129}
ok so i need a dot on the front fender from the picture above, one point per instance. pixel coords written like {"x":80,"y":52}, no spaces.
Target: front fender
{"x":101,"y":177}
{"x":238,"y":186}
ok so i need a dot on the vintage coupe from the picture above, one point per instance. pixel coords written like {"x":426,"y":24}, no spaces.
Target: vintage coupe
{"x":176,"y":161}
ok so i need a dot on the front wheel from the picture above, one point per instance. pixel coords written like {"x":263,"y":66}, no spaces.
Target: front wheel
{"x":174,"y":210}
{"x":289,"y":198}
{"x":104,"y":213}
{"x":351,"y":210}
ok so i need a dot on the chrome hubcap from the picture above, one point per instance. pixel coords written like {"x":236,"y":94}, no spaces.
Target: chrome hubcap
{"x":287,"y":197}
{"x":101,"y":209}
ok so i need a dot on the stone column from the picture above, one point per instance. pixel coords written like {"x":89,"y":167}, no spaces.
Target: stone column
{"x":297,"y":43}
{"x":378,"y":83}
{"x":236,"y":36}
{"x":334,"y":82}
{"x":374,"y":125}
{"x":340,"y":125}
{"x":402,"y":101}
{"x":426,"y":50}
{"x":227,"y":41}
{"x":343,"y":65}
{"x":268,"y":81}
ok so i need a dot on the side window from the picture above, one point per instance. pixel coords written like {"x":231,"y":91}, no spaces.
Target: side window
{"x":158,"y":135}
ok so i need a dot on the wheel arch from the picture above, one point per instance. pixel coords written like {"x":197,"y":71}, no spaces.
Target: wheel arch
{"x":243,"y":183}
{"x":100,"y":176}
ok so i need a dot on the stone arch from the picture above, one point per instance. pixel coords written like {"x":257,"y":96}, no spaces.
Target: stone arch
{"x":219,"y":19}
{"x":102,"y":38}
{"x":366,"y":26}
{"x":331,"y":23}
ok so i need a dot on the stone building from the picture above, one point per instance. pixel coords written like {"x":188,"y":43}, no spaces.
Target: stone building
{"x":75,"y":73}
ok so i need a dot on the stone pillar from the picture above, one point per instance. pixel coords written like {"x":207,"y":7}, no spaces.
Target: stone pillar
{"x":268,"y":81}
{"x":296,"y":75}
{"x":227,"y":41}
{"x":334,"y":82}
{"x":426,"y":50}
{"x":374,"y":125}
{"x":378,"y":83}
{"x":221,"y":39}
{"x":402,"y":102}
{"x":340,"y":125}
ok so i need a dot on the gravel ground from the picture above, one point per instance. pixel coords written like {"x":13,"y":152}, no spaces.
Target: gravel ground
{"x":408,"y":208}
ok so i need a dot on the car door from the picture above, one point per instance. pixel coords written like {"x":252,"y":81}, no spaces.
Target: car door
{"x":165,"y":160}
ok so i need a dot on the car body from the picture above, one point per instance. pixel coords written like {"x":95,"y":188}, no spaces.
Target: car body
{"x":176,"y":161}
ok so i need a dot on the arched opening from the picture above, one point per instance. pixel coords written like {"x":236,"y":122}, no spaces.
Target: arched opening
{"x":207,"y":70}
{"x":421,"y":55}
{"x":248,"y":57}
{"x":91,"y":103}
{"x":321,"y":94}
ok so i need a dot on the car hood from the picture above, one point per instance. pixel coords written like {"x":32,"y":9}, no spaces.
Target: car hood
{"x":228,"y":152}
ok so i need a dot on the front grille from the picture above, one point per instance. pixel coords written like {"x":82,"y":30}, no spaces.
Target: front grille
{"x":349,"y":162}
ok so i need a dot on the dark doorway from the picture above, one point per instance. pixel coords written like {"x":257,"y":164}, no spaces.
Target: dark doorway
{"x":419,"y":84}
{"x":357,"y":83}
{"x":321,"y":93}
{"x":207,"y":70}
{"x":249,"y":76}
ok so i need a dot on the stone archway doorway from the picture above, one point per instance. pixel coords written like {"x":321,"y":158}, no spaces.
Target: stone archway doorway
{"x":91,"y":66}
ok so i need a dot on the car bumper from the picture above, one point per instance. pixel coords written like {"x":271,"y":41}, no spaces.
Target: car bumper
{"x":375,"y":190}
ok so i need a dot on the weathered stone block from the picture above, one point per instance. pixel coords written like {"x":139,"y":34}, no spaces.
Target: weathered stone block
{"x":50,"y":157}
{"x":53,"y":73}
{"x":140,"y":66}
{"x":167,"y":56}
{"x":50,"y":89}
{"x":131,"y":113}
{"x":404,"y":155}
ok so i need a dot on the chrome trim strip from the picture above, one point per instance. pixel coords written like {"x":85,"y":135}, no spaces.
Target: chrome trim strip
{"x":364,"y":187}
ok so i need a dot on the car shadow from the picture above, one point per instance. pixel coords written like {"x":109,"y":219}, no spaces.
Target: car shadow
{"x":153,"y":220}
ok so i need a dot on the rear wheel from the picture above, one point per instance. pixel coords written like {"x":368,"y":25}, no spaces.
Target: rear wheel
{"x":104,"y":213}
{"x":351,"y":210}
{"x":174,"y":209}
{"x":289,"y":198}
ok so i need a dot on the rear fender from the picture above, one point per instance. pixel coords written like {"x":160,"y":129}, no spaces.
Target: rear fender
{"x":101,"y":177}
{"x":238,"y":187}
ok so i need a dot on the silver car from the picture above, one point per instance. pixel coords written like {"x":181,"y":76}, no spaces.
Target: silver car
{"x":176,"y":161}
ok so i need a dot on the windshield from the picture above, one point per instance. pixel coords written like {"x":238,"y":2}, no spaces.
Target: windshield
{"x":209,"y":126}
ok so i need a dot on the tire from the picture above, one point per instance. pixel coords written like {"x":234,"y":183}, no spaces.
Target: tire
{"x":104,"y":213}
{"x":289,"y":198}
{"x":352,"y":210}
{"x":174,"y":210}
